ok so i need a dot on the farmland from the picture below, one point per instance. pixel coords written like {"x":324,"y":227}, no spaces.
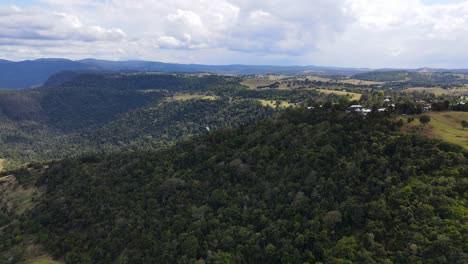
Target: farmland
{"x":44,"y":260}
{"x":185,"y":97}
{"x":438,"y":90}
{"x":273,"y":103}
{"x":443,"y":125}
{"x":259,"y":81}
{"x":352,"y":96}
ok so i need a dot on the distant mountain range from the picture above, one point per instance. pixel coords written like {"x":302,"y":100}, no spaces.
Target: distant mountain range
{"x":31,"y":73}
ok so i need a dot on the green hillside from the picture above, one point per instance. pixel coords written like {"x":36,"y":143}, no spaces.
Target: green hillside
{"x":109,"y":112}
{"x":313,"y":186}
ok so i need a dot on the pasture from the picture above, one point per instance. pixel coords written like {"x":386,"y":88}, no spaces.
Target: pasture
{"x":438,"y":91}
{"x":185,"y":97}
{"x":273,"y":103}
{"x":443,"y":125}
{"x":352,"y":96}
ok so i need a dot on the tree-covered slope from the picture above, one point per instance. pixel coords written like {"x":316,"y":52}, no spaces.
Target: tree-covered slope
{"x":167,"y":122}
{"x":109,"y":112}
{"x":92,"y":99}
{"x":314,"y":186}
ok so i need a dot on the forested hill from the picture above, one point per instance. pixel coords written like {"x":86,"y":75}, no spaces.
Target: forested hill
{"x":314,"y":186}
{"x":109,"y":112}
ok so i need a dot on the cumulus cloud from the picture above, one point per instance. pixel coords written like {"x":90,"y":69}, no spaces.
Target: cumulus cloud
{"x":31,"y":25}
{"x":402,"y":33}
{"x":359,"y":33}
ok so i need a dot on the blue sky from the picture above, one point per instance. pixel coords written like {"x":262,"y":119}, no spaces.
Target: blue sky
{"x":21,"y":3}
{"x":347,"y":33}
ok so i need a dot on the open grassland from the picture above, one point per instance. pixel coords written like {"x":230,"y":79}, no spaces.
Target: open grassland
{"x":277,"y":77}
{"x":43,"y":260}
{"x":16,"y":197}
{"x":360,"y":82}
{"x":273,"y":103}
{"x":438,"y":91}
{"x":34,"y":253}
{"x":443,"y":125}
{"x":20,"y":199}
{"x":316,"y":78}
{"x":349,"y":81}
{"x":254,"y":83}
{"x":185,"y":97}
{"x":352,"y":96}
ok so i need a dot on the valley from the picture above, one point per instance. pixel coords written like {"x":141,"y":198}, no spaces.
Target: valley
{"x":127,"y":168}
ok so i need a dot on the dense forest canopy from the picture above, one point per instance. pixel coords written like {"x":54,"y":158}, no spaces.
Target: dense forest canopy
{"x":107,"y":112}
{"x":312,"y":186}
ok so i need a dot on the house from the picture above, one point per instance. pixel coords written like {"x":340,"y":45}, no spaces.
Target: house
{"x":386,"y":100}
{"x":365,"y":111}
{"x":356,"y":107}
{"x":359,"y":109}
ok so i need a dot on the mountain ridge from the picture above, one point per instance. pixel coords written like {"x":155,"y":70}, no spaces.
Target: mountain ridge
{"x":33,"y":73}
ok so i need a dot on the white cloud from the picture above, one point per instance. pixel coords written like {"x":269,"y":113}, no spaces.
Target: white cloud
{"x":17,"y":25}
{"x":401,"y":33}
{"x":360,"y":33}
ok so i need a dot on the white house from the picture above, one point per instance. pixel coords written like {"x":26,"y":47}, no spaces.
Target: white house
{"x":359,"y":109}
{"x":356,"y":107}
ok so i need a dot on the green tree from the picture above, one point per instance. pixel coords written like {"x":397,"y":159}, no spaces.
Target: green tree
{"x":425,"y":119}
{"x":464,"y":124}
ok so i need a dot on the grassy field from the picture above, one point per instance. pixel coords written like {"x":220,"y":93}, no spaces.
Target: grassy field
{"x":16,"y":197}
{"x":360,"y":82}
{"x":185,"y":97}
{"x":350,"y":81}
{"x":254,"y":83}
{"x":43,"y":260}
{"x":443,"y":125}
{"x":438,"y":91}
{"x":353,"y":96}
{"x":272,"y":103}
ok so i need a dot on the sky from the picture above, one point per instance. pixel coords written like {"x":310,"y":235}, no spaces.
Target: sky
{"x":341,"y":33}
